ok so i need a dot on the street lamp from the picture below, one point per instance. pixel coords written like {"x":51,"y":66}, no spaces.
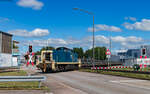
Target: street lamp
{"x":90,"y":13}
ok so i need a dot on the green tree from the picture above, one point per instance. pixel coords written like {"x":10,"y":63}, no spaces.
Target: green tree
{"x":38,"y":53}
{"x":100,"y":53}
{"x":88,"y":53}
{"x":15,"y":46}
{"x":79,"y":51}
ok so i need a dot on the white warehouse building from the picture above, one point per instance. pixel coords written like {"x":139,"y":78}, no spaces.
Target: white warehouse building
{"x":138,"y":56}
{"x":7,"y":58}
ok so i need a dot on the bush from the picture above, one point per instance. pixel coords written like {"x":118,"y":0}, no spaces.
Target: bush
{"x":136,"y":67}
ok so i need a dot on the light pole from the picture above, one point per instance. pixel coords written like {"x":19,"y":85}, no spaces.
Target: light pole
{"x":90,"y":13}
{"x":110,"y":46}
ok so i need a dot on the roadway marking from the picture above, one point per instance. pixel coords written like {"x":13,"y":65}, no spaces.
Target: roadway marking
{"x":125,"y":82}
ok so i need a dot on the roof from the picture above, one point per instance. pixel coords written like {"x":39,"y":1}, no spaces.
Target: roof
{"x":121,"y":51}
{"x":6,"y":33}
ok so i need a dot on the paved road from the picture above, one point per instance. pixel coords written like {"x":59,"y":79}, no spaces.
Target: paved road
{"x":74,"y":82}
{"x":90,"y":83}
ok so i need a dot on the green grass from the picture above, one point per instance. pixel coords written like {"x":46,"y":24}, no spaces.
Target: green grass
{"x":131,"y":69}
{"x":123,"y":74}
{"x":14,"y":73}
{"x":19,"y":85}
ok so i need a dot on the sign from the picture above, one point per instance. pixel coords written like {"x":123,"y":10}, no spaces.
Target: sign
{"x":143,"y":57}
{"x":143,"y":52}
{"x":30,"y":59}
{"x":108,"y":52}
{"x":108,"y":56}
{"x":140,"y":57}
{"x":30,"y":48}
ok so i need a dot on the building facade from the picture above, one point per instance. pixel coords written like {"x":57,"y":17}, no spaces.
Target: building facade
{"x":5,"y":43}
{"x":5,"y":49}
{"x":133,"y":53}
{"x":138,"y":56}
{"x":122,"y":54}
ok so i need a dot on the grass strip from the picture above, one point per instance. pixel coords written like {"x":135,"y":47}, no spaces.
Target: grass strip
{"x":14,"y":73}
{"x":19,"y":85}
{"x":123,"y":74}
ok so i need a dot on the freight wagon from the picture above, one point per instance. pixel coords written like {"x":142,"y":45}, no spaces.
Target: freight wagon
{"x":60,"y":59}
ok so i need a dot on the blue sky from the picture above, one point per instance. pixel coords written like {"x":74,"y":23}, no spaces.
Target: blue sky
{"x":55,"y":23}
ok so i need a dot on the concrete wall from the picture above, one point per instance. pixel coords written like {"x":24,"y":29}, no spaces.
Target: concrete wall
{"x":15,"y":61}
{"x":5,"y":60}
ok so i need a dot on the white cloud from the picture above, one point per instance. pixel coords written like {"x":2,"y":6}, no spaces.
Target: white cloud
{"x":103,"y":27}
{"x":132,"y":39}
{"x":118,"y":39}
{"x":2,"y":19}
{"x":34,"y":4}
{"x":144,"y":25}
{"x":99,"y":39}
{"x":35,"y":33}
{"x":117,"y":42}
{"x":127,"y":42}
{"x":130,"y":18}
{"x":57,"y":41}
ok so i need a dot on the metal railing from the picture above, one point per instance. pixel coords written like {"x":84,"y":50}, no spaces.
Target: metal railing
{"x":23,"y":79}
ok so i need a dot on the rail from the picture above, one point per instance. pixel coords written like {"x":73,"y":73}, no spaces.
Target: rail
{"x":22,"y":79}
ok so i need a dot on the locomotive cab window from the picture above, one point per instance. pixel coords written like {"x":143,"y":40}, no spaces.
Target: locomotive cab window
{"x":47,"y":56}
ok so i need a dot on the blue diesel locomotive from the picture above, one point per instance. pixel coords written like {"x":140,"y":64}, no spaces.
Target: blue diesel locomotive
{"x":59,"y":59}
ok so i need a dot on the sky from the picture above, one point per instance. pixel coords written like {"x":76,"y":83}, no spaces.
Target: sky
{"x":55,"y":23}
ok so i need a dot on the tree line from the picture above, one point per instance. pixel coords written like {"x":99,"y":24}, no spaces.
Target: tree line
{"x":87,"y":54}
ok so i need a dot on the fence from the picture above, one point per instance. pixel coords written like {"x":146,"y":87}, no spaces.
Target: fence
{"x":22,"y":79}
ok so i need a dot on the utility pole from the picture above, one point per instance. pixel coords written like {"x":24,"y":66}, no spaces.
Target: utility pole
{"x":93,"y":44}
{"x":109,"y":64}
{"x":109,"y":47}
{"x":98,"y":54}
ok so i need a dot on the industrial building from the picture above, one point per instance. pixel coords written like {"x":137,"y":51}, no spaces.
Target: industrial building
{"x":122,"y":54}
{"x":5,"y":42}
{"x":139,"y":56}
{"x":133,"y":53}
{"x":7,"y":57}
